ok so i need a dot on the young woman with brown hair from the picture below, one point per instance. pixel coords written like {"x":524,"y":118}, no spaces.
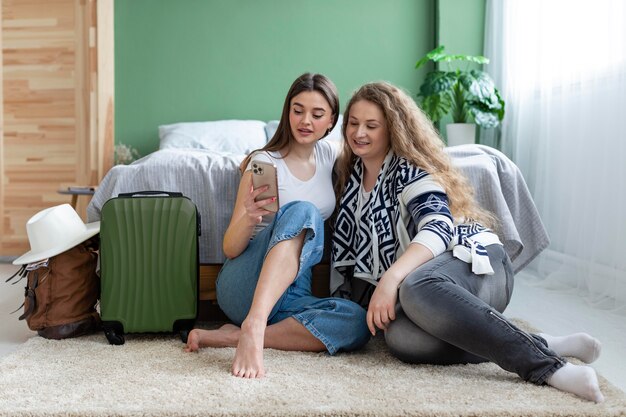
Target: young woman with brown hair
{"x":265,"y":284}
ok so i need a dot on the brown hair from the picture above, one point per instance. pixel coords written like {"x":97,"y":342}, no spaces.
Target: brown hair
{"x":306,"y":82}
{"x":413,"y":137}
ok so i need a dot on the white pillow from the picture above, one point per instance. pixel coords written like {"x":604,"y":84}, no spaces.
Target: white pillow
{"x":231,"y":136}
{"x":270,"y":128}
{"x":334,"y":134}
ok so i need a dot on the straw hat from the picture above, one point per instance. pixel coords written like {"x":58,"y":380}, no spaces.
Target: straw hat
{"x":53,"y":231}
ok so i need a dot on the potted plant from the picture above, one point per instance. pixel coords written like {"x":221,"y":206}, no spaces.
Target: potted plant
{"x":469,"y":95}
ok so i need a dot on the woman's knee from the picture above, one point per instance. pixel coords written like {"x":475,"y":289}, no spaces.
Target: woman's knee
{"x":396,"y":336}
{"x":297,"y":218}
{"x":411,"y":344}
{"x":502,"y":280}
{"x":303,"y":210}
{"x":395,"y":340}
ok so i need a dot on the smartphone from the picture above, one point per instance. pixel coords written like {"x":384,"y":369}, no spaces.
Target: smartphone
{"x":264,"y":173}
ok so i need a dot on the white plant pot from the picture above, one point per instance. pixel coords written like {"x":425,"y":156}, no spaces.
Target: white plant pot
{"x":460,"y":133}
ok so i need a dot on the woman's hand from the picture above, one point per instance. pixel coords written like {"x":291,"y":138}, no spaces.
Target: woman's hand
{"x":254,"y":209}
{"x":246,"y":214}
{"x":382,"y":307}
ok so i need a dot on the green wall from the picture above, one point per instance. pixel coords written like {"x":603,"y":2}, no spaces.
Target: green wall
{"x":194,"y":60}
{"x":460,"y":26}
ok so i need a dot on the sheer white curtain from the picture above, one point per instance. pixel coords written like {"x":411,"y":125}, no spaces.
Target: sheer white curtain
{"x":561,"y":67}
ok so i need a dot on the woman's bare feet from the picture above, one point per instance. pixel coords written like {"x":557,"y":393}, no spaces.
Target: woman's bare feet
{"x":225,"y":336}
{"x":248,"y":362}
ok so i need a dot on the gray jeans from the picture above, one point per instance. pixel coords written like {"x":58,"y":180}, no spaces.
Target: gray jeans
{"x":447,"y":315}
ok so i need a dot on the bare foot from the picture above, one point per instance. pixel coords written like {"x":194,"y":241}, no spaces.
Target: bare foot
{"x":248,"y":362}
{"x":225,"y":336}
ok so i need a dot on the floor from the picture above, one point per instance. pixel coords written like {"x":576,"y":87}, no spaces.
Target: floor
{"x":558,"y":314}
{"x":554,"y":313}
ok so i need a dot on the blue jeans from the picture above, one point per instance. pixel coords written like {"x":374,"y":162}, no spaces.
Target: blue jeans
{"x":339,"y":324}
{"x":446,"y":315}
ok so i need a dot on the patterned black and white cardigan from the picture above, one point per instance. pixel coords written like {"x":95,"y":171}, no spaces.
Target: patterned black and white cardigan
{"x":406,"y":206}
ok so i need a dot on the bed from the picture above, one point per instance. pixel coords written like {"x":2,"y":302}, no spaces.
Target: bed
{"x":202,"y":159}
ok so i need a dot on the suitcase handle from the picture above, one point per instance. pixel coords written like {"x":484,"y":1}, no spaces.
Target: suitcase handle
{"x":169,"y":193}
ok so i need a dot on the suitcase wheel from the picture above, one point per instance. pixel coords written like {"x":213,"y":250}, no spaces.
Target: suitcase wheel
{"x":114,"y":332}
{"x":114,"y":338}
{"x":183,"y":327}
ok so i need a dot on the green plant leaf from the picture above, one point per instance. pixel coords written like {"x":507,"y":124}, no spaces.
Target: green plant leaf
{"x":466,"y":58}
{"x":436,"y":106}
{"x":480,"y":86}
{"x":462,"y":93}
{"x":501,"y":110}
{"x":460,"y":108}
{"x":433,"y":55}
{"x":437,"y":82}
{"x":485,"y":119}
{"x":438,"y":55}
{"x":485,"y":116}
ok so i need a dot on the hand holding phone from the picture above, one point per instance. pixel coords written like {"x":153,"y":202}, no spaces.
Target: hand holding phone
{"x":264,"y":173}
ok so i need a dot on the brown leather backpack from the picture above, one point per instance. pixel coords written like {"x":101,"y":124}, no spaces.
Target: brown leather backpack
{"x":60,"y":298}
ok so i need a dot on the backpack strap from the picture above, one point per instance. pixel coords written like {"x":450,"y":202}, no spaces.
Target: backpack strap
{"x":29,"y":294}
{"x":18,"y":309}
{"x":22,"y":272}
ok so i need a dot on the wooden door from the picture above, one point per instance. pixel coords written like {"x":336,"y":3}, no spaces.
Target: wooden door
{"x":56,"y":111}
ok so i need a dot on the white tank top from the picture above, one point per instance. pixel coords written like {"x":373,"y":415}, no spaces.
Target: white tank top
{"x":317,"y":190}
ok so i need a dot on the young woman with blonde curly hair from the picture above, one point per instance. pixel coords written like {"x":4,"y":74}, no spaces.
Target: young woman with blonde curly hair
{"x":411,"y":246}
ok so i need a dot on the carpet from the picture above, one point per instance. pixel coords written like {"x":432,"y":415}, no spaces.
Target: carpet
{"x":151,"y":376}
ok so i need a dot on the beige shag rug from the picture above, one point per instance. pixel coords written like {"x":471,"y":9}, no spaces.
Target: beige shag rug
{"x":152,"y":376}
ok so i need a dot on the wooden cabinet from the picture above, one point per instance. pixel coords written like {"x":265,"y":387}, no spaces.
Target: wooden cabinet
{"x":57,"y":106}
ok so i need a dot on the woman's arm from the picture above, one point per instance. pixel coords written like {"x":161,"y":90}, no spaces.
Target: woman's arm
{"x":428,"y":205}
{"x":382,"y":306}
{"x":246,"y":215}
{"x":415,"y":255}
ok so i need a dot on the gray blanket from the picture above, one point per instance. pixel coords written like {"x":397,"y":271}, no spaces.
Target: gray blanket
{"x":500,"y":188}
{"x":211,"y":180}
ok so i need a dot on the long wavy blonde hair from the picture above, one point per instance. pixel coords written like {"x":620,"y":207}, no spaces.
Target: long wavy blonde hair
{"x":413,"y":137}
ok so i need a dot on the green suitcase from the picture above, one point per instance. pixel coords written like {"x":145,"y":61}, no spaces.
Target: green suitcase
{"x":148,"y":264}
